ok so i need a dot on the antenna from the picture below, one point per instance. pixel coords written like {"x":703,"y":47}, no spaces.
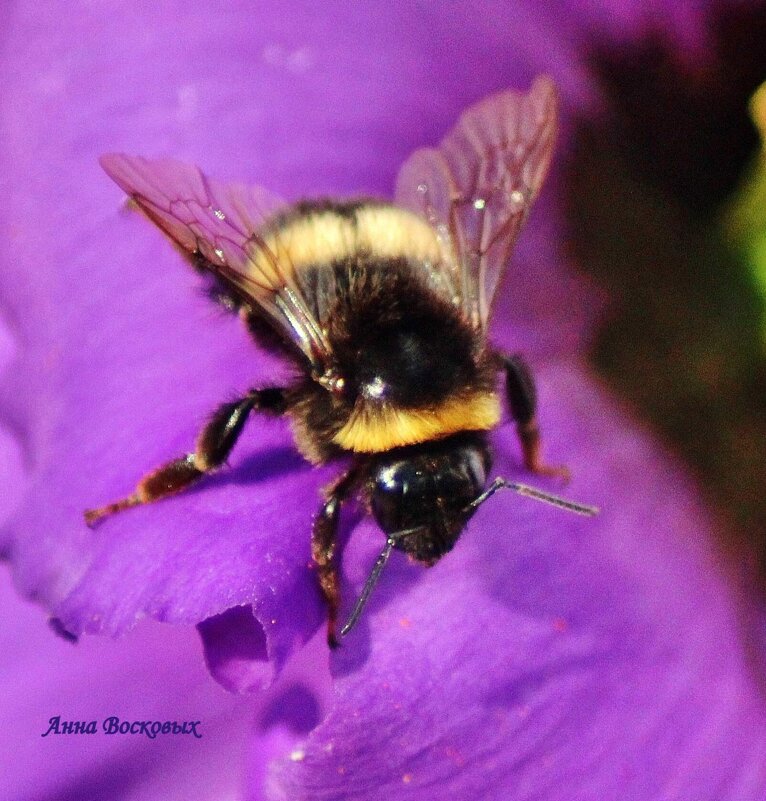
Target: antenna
{"x":372,"y":579}
{"x":535,"y":494}
{"x":497,"y":484}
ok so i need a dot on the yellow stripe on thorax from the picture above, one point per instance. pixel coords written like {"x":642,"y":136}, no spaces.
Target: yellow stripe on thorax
{"x":376,"y":429}
{"x":322,"y":237}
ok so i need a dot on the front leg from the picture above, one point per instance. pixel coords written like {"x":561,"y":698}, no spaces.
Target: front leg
{"x":522,"y":399}
{"x":214,"y":445}
{"x":325,"y":549}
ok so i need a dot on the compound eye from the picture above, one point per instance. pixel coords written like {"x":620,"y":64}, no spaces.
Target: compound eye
{"x":398,"y":486}
{"x":399,"y":478}
{"x":475,"y":465}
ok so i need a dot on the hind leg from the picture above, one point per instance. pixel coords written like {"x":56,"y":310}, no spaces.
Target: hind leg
{"x":522,"y":399}
{"x":213,"y":447}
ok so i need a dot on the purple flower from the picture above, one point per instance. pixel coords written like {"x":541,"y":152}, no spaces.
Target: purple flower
{"x":545,"y":657}
{"x":152,"y":674}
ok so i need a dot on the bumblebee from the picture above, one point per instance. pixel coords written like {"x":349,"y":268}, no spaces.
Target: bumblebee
{"x":384,"y":311}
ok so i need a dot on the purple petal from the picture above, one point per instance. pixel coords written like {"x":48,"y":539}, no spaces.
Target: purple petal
{"x":119,"y":361}
{"x":549,"y":656}
{"x":235,"y":649}
{"x":154,"y":674}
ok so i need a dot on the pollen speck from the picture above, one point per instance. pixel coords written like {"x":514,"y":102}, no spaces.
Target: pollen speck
{"x":218,"y":213}
{"x":407,"y":778}
{"x":405,"y":622}
{"x":298,"y":755}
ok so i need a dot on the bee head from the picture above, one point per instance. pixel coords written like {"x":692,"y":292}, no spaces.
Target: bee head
{"x":427,"y":490}
{"x":422,"y":496}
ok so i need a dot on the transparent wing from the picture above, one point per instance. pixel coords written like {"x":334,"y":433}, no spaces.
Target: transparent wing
{"x":218,"y":225}
{"x":478,"y":186}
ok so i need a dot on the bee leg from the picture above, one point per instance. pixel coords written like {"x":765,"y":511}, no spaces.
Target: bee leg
{"x":214,"y":444}
{"x":325,"y":549}
{"x":522,"y":398}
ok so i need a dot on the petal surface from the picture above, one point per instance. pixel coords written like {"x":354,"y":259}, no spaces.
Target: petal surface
{"x":550,"y":656}
{"x":116,"y":360}
{"x":153,"y":674}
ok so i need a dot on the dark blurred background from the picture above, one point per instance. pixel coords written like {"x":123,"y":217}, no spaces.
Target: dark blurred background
{"x":667,"y":210}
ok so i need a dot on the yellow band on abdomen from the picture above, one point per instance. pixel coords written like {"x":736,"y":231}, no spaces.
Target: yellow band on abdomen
{"x":374,"y":429}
